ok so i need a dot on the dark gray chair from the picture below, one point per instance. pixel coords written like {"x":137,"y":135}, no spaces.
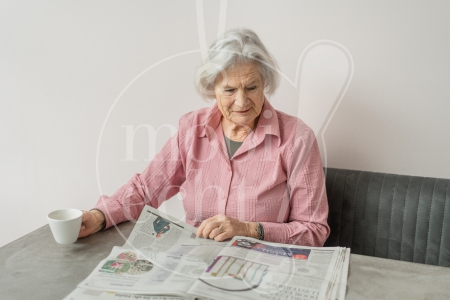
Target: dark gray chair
{"x":391,"y":216}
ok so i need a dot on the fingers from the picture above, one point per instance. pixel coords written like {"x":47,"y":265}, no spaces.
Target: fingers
{"x":201,"y":228}
{"x":82,"y":232}
{"x":211,"y":229}
{"x":221,"y":228}
{"x":85,"y":224}
{"x":218,"y":233}
{"x":222,"y":237}
{"x":85,"y":216}
{"x":215,"y":229}
{"x":214,"y":233}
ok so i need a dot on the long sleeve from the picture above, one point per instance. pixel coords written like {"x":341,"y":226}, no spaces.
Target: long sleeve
{"x":160,"y":180}
{"x":308,"y":207}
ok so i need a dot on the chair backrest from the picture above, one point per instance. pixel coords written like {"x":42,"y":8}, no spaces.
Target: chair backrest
{"x":391,"y":216}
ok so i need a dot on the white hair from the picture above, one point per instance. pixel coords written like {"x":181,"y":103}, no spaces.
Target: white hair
{"x":236,"y":46}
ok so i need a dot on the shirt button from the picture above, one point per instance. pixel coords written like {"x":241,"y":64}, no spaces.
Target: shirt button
{"x":229,"y":169}
{"x":223,"y":197}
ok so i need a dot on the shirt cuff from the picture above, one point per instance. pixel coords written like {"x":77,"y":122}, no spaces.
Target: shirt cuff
{"x":273,"y":232}
{"x":104,"y":218}
{"x":111,"y":209}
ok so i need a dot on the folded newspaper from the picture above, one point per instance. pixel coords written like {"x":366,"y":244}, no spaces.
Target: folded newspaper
{"x":163,"y":259}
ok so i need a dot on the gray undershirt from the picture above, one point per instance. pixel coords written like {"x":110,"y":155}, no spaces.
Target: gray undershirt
{"x":232,"y":146}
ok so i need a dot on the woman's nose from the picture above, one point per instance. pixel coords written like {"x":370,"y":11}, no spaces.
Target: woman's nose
{"x":241,"y":98}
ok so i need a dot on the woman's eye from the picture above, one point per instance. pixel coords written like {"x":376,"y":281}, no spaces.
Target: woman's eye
{"x":252,"y":88}
{"x":229,"y":91}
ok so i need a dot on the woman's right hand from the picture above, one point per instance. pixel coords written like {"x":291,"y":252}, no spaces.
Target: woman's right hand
{"x":91,"y":223}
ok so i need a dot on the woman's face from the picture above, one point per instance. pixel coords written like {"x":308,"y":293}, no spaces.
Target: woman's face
{"x":240,"y":94}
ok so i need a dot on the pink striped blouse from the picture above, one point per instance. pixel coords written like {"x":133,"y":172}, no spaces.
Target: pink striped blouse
{"x":275,"y":178}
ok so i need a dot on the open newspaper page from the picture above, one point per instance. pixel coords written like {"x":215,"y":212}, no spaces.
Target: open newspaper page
{"x":251,"y":269}
{"x":161,"y":257}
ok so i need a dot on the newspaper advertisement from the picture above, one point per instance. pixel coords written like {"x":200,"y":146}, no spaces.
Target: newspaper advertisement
{"x":161,"y":257}
{"x":251,"y":269}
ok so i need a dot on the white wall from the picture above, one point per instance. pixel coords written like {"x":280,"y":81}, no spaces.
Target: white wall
{"x":72,"y":74}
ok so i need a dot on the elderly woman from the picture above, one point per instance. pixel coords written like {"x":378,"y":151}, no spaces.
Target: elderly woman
{"x":242,"y":167}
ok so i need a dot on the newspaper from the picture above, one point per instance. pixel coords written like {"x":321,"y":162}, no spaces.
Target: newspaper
{"x":163,"y":259}
{"x":254,"y":269}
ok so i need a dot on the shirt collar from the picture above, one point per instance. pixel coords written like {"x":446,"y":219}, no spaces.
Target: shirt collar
{"x":212,"y":121}
{"x":267,"y":124}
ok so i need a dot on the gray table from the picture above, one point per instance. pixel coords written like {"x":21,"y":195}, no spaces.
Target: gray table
{"x":36,"y":267}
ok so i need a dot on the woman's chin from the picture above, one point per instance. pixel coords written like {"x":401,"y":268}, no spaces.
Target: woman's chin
{"x":244,"y":120}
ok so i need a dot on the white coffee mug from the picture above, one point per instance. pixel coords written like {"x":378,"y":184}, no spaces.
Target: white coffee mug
{"x":65,"y":224}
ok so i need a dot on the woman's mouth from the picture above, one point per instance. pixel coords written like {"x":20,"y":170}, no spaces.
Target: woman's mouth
{"x":242,"y":111}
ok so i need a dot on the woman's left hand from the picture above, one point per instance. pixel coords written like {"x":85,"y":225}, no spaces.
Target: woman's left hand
{"x":221,"y":227}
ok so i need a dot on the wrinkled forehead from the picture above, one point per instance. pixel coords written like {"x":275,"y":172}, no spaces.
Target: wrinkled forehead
{"x":240,"y":75}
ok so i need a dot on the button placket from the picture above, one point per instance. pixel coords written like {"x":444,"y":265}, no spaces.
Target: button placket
{"x":227,"y":186}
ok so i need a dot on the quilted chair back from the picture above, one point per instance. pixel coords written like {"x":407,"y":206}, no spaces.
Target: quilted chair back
{"x":391,"y":216}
